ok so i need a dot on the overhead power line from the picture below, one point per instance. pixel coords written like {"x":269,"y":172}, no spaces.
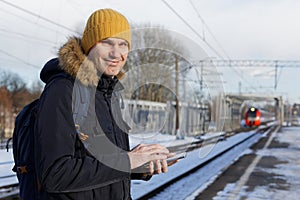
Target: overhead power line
{"x":260,"y":63}
{"x":19,"y":59}
{"x":39,"y":16}
{"x":218,"y":43}
{"x":27,"y":37}
{"x":187,"y":24}
{"x":208,"y":29}
{"x":255,"y":63}
{"x":29,"y":21}
{"x":209,"y":45}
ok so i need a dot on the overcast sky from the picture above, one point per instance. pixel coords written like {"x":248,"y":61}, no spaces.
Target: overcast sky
{"x":235,"y":29}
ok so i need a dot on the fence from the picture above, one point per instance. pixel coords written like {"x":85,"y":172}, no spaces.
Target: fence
{"x":148,"y":116}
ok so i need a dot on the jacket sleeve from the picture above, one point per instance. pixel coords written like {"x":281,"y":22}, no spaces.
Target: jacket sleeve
{"x":58,"y":169}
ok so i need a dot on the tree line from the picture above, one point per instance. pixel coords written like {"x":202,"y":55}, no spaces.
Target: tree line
{"x":14,"y":95}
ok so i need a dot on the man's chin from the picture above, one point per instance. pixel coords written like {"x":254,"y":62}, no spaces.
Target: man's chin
{"x":111,"y":73}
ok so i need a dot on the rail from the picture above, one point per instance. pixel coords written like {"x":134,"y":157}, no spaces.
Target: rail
{"x":209,"y":166}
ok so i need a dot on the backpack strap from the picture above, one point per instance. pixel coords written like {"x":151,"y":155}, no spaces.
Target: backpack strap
{"x":81,"y":100}
{"x":120,"y":98}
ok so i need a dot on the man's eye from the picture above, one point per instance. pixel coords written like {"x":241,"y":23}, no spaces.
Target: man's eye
{"x":106,"y":42}
{"x":124,"y":44}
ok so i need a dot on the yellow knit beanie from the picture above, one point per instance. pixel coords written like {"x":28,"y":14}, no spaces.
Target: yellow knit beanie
{"x":102,"y":24}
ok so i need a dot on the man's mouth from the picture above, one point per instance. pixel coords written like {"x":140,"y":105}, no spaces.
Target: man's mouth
{"x":113,"y":62}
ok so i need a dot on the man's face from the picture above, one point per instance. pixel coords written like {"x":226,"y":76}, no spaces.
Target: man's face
{"x":110,"y":55}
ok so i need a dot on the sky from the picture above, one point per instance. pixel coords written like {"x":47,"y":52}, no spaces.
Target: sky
{"x":33,"y":30}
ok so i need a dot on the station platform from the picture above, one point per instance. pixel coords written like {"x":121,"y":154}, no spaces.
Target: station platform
{"x":270,"y":170}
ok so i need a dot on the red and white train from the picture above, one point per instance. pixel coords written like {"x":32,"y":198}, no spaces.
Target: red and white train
{"x":252,"y":117}
{"x":256,"y":117}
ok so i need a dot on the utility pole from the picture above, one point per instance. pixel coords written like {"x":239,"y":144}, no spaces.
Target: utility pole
{"x":178,"y":135}
{"x":201,"y":81}
{"x":276,"y":67}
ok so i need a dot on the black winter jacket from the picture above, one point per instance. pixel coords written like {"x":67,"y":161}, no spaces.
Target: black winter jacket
{"x":65,"y":166}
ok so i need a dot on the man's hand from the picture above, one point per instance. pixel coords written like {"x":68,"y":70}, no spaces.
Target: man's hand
{"x":149,"y":158}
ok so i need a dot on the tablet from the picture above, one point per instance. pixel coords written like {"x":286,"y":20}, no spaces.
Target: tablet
{"x":176,"y":157}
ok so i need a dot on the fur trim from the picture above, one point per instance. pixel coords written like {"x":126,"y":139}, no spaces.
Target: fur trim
{"x":75,"y":62}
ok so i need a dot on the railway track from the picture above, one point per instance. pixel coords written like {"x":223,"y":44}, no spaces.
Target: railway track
{"x":182,"y":185}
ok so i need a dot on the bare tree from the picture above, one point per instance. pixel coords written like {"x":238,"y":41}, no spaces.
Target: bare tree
{"x":14,"y":95}
{"x":151,"y":63}
{"x":36,"y":90}
{"x":5,"y":109}
{"x":16,"y":87}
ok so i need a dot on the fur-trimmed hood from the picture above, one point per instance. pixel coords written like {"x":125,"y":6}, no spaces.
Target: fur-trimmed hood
{"x":74,"y":62}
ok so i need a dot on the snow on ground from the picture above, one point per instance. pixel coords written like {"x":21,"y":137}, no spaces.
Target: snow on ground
{"x":140,"y":187}
{"x":5,"y":156}
{"x":193,"y":159}
{"x":158,"y":138}
{"x":6,"y":165}
{"x":288,"y":170}
{"x":188,"y":187}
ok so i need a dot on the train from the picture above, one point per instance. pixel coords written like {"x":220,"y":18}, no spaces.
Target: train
{"x":256,"y":117}
{"x":253,"y":117}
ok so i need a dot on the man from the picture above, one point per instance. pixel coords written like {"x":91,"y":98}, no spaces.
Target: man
{"x":89,"y":160}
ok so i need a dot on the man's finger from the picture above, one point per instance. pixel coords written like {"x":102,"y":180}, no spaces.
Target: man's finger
{"x":164,"y":166}
{"x":151,"y":167}
{"x":158,"y":166}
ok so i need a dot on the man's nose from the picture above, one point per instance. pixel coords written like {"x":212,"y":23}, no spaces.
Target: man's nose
{"x":116,"y":52}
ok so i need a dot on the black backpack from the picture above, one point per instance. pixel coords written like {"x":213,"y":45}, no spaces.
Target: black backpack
{"x":23,"y":140}
{"x":23,"y":151}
